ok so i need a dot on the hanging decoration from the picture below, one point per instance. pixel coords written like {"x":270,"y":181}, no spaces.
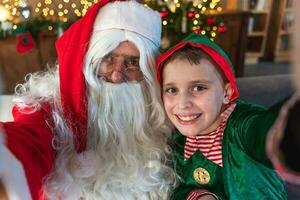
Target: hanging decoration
{"x":24,"y":10}
{"x":25,"y":42}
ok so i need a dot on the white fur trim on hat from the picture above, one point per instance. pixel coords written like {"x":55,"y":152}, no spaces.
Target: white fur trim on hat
{"x":131,"y":16}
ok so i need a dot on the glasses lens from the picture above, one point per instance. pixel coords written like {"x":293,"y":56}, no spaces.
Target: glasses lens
{"x":133,"y":74}
{"x":130,"y":68}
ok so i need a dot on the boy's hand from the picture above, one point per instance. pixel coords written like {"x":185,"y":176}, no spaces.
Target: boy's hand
{"x":283,"y":141}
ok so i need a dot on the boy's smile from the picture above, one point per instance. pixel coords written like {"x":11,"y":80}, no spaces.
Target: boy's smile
{"x":194,"y":96}
{"x":187,"y":119}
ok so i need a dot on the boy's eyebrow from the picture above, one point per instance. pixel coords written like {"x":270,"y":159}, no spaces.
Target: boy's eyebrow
{"x":202,"y":81}
{"x":191,"y":82}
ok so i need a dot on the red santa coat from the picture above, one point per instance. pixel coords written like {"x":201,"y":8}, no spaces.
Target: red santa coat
{"x":29,"y":136}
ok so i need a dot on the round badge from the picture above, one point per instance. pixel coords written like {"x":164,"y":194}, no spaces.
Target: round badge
{"x":201,"y":175}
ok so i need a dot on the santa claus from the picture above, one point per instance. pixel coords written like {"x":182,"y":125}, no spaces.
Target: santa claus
{"x":93,"y":127}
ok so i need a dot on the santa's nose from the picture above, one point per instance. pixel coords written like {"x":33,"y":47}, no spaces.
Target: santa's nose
{"x":117,"y":76}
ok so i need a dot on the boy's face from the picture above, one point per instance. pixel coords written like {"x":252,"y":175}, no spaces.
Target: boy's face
{"x":194,"y":96}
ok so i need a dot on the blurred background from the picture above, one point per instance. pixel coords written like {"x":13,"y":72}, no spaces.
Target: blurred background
{"x":255,"y":34}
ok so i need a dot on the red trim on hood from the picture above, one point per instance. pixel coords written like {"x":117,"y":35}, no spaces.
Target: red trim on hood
{"x":215,"y":55}
{"x":71,"y":50}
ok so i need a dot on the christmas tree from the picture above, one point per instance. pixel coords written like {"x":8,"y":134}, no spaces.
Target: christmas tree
{"x":181,"y":17}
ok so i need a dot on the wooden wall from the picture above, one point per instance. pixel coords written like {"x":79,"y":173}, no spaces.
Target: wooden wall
{"x":14,"y":66}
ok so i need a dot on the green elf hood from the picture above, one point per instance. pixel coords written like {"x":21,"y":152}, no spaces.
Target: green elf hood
{"x":212,"y":49}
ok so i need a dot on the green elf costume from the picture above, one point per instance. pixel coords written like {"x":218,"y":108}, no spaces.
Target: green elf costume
{"x":245,"y":172}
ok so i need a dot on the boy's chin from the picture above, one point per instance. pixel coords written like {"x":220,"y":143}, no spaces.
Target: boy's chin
{"x":191,"y":133}
{"x":188,"y":134}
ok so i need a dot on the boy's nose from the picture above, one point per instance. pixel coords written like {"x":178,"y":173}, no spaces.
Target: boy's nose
{"x":184,"y":101}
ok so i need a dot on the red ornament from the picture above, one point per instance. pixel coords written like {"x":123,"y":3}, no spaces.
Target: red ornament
{"x":191,"y":14}
{"x":211,"y":21}
{"x":25,"y":43}
{"x":198,"y":31}
{"x":222,"y":29}
{"x":164,"y":14}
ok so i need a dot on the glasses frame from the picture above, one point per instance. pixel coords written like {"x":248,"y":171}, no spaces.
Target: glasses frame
{"x":109,"y":60}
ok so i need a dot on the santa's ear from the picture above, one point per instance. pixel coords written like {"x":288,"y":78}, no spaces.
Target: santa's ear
{"x":228,"y":92}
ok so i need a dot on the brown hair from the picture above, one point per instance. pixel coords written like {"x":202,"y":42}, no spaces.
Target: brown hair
{"x":193,"y":55}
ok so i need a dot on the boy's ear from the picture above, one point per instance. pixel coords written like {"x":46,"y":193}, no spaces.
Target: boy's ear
{"x":228,"y":92}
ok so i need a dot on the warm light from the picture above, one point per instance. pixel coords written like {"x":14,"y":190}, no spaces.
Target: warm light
{"x":195,"y":22}
{"x":197,"y":16}
{"x":14,"y":11}
{"x":203,"y":32}
{"x":50,"y":28}
{"x":48,"y":2}
{"x":4,"y":14}
{"x":83,"y":12}
{"x":212,"y":6}
{"x":165,"y":22}
{"x":213,"y":34}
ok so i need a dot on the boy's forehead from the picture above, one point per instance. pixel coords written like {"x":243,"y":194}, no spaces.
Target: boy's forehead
{"x":185,"y":69}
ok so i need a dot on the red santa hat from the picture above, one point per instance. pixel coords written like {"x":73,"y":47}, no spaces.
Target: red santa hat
{"x":73,"y":45}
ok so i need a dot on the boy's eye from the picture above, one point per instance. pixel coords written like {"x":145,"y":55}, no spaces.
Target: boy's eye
{"x":170,"y":90}
{"x":198,"y":88}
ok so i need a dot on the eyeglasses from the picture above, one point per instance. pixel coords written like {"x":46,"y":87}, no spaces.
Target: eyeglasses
{"x":127,"y":65}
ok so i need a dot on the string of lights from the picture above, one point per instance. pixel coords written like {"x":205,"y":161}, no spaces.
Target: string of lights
{"x":179,"y":17}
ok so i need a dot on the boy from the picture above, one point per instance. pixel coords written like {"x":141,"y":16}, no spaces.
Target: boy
{"x":93,"y":127}
{"x":219,"y":142}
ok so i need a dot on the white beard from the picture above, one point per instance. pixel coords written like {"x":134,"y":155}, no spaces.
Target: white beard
{"x":123,"y":156}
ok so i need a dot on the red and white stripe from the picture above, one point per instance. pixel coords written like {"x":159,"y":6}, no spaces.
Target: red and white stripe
{"x":210,"y":145}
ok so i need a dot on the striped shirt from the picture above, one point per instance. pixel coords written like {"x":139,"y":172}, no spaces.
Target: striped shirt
{"x":210,"y":145}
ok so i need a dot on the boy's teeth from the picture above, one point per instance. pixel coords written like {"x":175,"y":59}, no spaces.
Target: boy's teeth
{"x":187,"y":118}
